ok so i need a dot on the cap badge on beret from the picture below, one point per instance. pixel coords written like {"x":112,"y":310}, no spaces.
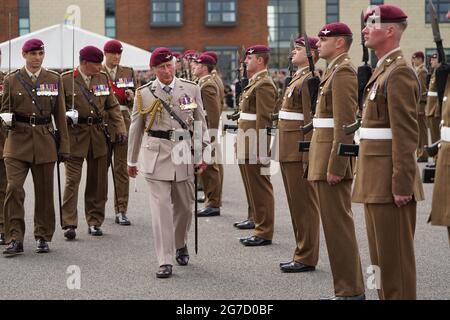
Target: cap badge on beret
{"x":251,"y":51}
{"x":326,"y":31}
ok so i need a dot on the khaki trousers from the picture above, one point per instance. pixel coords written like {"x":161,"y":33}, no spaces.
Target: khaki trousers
{"x":423,"y":136}
{"x":304,"y":208}
{"x":44,"y":210}
{"x":171,"y":205}
{"x":3,"y":184}
{"x":339,"y":230}
{"x":250,"y":209}
{"x":212,"y":185}
{"x":95,"y":195}
{"x":261,"y":199}
{"x":391,"y":244}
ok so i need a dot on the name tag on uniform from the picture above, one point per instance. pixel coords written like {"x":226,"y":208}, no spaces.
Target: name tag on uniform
{"x":125,"y":83}
{"x":100,"y":90}
{"x":187,"y":103}
{"x":47,"y":90}
{"x":373,"y":92}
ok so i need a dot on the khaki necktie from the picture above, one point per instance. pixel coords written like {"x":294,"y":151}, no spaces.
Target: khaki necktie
{"x":33,"y":78}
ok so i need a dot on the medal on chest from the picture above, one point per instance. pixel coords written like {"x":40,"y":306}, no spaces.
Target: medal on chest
{"x":187,"y":103}
{"x":47,"y":90}
{"x":125,"y":83}
{"x":100,"y":90}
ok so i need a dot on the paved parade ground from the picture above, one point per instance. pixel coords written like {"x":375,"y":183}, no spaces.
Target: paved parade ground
{"x":122,"y":263}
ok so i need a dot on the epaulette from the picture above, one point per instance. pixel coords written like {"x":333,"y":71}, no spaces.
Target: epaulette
{"x":11,"y":73}
{"x":188,"y":81}
{"x":54,"y":72}
{"x":66,"y":73}
{"x":145,"y":85}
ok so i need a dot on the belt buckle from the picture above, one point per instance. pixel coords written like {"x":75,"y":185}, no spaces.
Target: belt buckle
{"x":90,"y":121}
{"x":33,"y":121}
{"x":172,"y":136}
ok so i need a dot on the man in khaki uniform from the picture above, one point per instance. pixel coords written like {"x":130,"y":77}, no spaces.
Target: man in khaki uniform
{"x":3,"y":181}
{"x":301,"y":195}
{"x":418,"y":59}
{"x":332,"y":175}
{"x":432,"y":109}
{"x":211,"y":177}
{"x":36,"y":98}
{"x":388,"y":178}
{"x":123,"y":84}
{"x":94,"y":101}
{"x":440,"y":212}
{"x":257,"y":104}
{"x":164,"y":140}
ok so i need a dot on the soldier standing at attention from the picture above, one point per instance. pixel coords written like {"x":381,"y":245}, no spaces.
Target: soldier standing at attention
{"x":94,"y":101}
{"x":3,"y":181}
{"x":302,"y":197}
{"x":332,"y":175}
{"x":211,"y":177}
{"x":418,"y":59}
{"x":388,"y":178}
{"x":123,"y":84}
{"x":164,"y":113}
{"x":258,"y":102}
{"x":36,"y":98}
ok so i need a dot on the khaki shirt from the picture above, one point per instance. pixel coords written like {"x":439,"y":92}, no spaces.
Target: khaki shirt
{"x":338,"y":99}
{"x":388,"y":167}
{"x":84,"y":136}
{"x":35,"y":144}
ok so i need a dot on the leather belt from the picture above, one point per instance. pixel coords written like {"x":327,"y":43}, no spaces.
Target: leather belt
{"x":89,"y":120}
{"x":285,"y":115}
{"x":32,"y":120}
{"x":445,"y":134}
{"x":248,"y":116}
{"x":432,"y":94}
{"x":323,"y":123}
{"x":171,"y":135}
{"x":375,"y":133}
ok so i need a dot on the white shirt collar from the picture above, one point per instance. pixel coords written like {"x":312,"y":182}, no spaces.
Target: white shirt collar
{"x":86,"y":79}
{"x":36,"y":73}
{"x":162,"y":85}
{"x":380,"y":62}
{"x":330,"y":65}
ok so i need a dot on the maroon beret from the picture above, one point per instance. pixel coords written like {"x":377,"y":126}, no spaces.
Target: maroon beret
{"x":32,"y":45}
{"x":190,"y":54}
{"x":160,"y":55}
{"x":206,"y":59}
{"x":335,"y":29}
{"x":212,"y":54}
{"x":385,"y":13}
{"x":91,"y":54}
{"x":177,"y":55}
{"x":311,"y":40}
{"x":113,"y":46}
{"x":419,"y":54}
{"x":257,"y":49}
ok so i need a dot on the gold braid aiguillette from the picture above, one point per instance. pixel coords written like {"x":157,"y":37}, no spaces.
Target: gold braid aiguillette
{"x":153,"y":110}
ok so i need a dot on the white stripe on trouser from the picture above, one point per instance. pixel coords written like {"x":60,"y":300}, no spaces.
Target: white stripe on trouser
{"x":375,"y":133}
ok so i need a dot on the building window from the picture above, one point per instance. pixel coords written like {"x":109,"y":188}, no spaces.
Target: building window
{"x":110,"y":18}
{"x":227,"y":64}
{"x":24,"y":17}
{"x":166,"y":13}
{"x":332,"y":11}
{"x":283,"y":22}
{"x":376,"y":2}
{"x":221,"y":12}
{"x":442,"y":8}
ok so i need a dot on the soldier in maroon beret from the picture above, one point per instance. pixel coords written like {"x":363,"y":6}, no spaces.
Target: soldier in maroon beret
{"x":123,"y":83}
{"x":332,"y":176}
{"x":387,"y":178}
{"x":432,"y":109}
{"x":90,"y":96}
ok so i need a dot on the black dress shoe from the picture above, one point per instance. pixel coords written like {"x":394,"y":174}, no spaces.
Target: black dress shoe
{"x":182,"y":256}
{"x":296,"y":267}
{"x":14,"y":247}
{"x":2,"y":239}
{"x":245,"y":225}
{"x":42,"y":246}
{"x":122,"y":219}
{"x":285,"y":262}
{"x":70,"y":233}
{"x":358,"y":297}
{"x":165,"y":271}
{"x":208,"y":212}
{"x":95,"y":231}
{"x":255,"y":241}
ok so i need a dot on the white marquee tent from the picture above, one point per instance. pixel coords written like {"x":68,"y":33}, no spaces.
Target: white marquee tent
{"x":59,"y":48}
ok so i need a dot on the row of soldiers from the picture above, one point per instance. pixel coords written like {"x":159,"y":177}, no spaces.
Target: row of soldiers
{"x":318,"y":183}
